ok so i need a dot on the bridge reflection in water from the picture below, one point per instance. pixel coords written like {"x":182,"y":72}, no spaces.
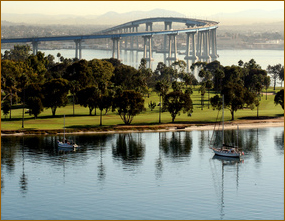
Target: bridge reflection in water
{"x":139,"y":35}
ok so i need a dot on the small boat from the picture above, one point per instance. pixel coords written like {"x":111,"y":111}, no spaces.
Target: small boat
{"x":65,"y":144}
{"x":227,"y":150}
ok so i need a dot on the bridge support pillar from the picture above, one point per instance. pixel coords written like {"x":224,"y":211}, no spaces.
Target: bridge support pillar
{"x":170,"y":58}
{"x":35,"y":47}
{"x":203,"y":51}
{"x":149,"y":57}
{"x":78,"y":49}
{"x":190,"y":54}
{"x":148,"y":25}
{"x":116,"y":44}
{"x":214,"y":54}
{"x":167,"y":26}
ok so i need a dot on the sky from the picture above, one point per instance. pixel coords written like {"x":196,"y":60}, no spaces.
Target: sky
{"x":201,"y":8}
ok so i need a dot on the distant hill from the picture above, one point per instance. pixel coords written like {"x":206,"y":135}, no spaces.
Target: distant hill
{"x":119,"y":18}
{"x":105,"y":19}
{"x":249,"y":17}
{"x":113,"y":18}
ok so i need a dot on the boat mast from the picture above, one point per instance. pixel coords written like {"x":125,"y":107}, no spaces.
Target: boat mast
{"x":64,"y":128}
{"x":237,"y":136}
{"x":223,"y":121}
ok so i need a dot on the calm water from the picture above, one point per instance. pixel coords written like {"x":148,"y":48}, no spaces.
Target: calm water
{"x":226,"y":57}
{"x":169,"y":175}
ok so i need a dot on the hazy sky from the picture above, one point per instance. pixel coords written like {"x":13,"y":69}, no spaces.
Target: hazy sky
{"x":198,"y":8}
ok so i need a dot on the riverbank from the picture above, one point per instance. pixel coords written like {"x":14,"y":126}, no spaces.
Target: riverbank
{"x":243,"y":124}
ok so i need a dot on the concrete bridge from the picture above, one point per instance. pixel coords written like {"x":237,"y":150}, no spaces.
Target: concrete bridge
{"x":201,"y":41}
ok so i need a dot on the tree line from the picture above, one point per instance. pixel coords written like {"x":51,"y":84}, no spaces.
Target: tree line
{"x":38,"y":82}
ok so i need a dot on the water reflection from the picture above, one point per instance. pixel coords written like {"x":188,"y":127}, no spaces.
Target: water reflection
{"x":279,"y":140}
{"x":27,"y":157}
{"x":129,"y":148}
{"x":175,"y":144}
{"x":23,"y":178}
{"x":218,"y":174}
{"x":247,"y":140}
{"x":101,"y":167}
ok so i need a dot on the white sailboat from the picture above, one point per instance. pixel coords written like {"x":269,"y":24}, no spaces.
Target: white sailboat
{"x":227,"y":150}
{"x":65,"y":144}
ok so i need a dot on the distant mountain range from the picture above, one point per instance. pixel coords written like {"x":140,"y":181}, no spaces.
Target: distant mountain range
{"x":114,"y":18}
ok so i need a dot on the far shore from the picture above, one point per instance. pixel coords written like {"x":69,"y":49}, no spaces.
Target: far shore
{"x":193,"y":126}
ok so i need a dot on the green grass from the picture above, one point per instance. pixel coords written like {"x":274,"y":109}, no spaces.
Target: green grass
{"x":45,"y":121}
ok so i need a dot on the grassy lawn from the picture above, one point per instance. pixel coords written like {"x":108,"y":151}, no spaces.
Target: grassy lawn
{"x":83,"y":120}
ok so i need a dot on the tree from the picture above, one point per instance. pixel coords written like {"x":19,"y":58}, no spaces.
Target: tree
{"x":189,"y":79}
{"x":88,"y":97}
{"x":165,"y":73}
{"x":105,"y":101}
{"x":35,"y":106}
{"x":240,"y":63}
{"x":81,"y":72}
{"x":235,"y":97}
{"x":202,"y":90}
{"x":114,"y":61}
{"x":126,"y":77}
{"x":144,"y":77}
{"x":58,"y":55}
{"x":179,"y":69}
{"x":128,"y":104}
{"x":279,"y":98}
{"x":266,"y":84}
{"x":101,"y":71}
{"x":55,"y":94}
{"x":206,"y":82}
{"x":281,"y":75}
{"x":6,"y":107}
{"x":20,"y":52}
{"x":218,"y":79}
{"x":74,"y":87}
{"x":274,"y":71}
{"x":177,"y":101}
{"x":39,"y":64}
{"x":161,"y":88}
{"x":151,"y":105}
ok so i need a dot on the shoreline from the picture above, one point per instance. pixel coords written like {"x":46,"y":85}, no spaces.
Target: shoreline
{"x":169,"y":127}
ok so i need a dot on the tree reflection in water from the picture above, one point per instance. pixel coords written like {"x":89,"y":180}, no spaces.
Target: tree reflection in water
{"x":279,"y":140}
{"x":129,"y":148}
{"x":23,"y":179}
{"x":178,"y":145}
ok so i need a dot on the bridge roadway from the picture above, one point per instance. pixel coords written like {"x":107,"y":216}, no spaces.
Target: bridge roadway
{"x":201,"y":37}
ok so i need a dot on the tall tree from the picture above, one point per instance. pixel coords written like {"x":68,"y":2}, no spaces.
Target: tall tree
{"x":55,"y":94}
{"x":101,"y":71}
{"x":202,"y":90}
{"x":39,"y":63}
{"x":20,"y":52}
{"x":58,"y":55}
{"x":88,"y":97}
{"x":81,"y":72}
{"x":235,"y":97}
{"x":266,"y":84}
{"x":105,"y":101}
{"x":281,"y":75}
{"x":34,"y":99}
{"x":126,"y":77}
{"x":161,"y":88}
{"x":128,"y":104}
{"x":74,"y":87}
{"x":274,"y":71}
{"x":279,"y":98}
{"x":177,"y":101}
